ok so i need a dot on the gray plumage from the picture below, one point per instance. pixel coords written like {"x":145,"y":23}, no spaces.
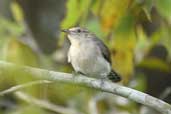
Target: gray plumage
{"x":89,"y":55}
{"x":104,"y":50}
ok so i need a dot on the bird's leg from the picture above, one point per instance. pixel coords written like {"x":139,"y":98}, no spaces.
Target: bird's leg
{"x":76,"y":73}
{"x":102,"y":79}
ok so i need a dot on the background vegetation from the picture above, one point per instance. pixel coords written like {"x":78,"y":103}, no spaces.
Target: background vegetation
{"x":137,"y":32}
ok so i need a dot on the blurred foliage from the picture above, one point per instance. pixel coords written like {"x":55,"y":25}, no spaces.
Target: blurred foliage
{"x":119,"y":25}
{"x":130,"y":28}
{"x":17,"y":12}
{"x":19,"y":53}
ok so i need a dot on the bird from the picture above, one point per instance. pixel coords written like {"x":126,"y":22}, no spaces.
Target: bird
{"x":89,"y":56}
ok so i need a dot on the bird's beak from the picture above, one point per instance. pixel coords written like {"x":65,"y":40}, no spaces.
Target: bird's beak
{"x":65,"y":30}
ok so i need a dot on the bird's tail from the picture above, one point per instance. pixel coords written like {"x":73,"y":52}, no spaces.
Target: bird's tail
{"x":114,"y":77}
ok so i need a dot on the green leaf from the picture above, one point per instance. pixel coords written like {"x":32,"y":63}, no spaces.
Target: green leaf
{"x":147,"y":8}
{"x":8,"y":28}
{"x":125,"y":24}
{"x":123,"y":43}
{"x":164,"y":8}
{"x":166,"y":38}
{"x":19,"y":53}
{"x":155,"y":63}
{"x":163,"y":36}
{"x":142,"y":45}
{"x":94,"y":26}
{"x":77,"y":11}
{"x":17,"y":12}
{"x":29,"y":109}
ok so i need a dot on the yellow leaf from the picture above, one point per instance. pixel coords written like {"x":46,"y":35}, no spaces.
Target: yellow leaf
{"x":19,"y":53}
{"x":17,"y":12}
{"x":111,"y":12}
{"x":155,"y":63}
{"x":124,"y":42}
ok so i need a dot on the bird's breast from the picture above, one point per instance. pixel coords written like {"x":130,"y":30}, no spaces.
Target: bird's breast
{"x":88,"y":60}
{"x":83,"y":56}
{"x":83,"y":52}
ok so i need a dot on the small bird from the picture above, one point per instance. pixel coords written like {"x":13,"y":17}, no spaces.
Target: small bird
{"x":89,"y":55}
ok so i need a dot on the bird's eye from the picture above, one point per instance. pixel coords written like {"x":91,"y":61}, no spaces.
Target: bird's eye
{"x":78,"y":30}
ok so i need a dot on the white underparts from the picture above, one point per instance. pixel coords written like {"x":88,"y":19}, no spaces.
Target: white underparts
{"x":86,"y":57}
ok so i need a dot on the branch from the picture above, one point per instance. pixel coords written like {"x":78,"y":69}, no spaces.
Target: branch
{"x":22,"y":86}
{"x":93,"y":109}
{"x":45,"y":104}
{"x":106,"y":86}
{"x":93,"y":106}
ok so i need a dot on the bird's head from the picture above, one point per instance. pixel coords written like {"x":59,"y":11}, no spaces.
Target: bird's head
{"x":76,"y":33}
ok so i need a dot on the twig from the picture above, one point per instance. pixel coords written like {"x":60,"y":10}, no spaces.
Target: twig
{"x":21,"y":86}
{"x":166,"y":93}
{"x":93,"y":106}
{"x":106,"y":86}
{"x":93,"y":102}
{"x":45,"y":104}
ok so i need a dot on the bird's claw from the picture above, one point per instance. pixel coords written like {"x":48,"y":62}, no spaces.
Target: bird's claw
{"x":77,"y":73}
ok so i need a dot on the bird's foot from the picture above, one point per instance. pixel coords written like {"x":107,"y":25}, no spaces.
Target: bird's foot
{"x":102,"y":81}
{"x":77,"y":73}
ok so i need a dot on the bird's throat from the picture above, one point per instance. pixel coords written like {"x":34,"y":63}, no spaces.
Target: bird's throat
{"x":74,"y":41}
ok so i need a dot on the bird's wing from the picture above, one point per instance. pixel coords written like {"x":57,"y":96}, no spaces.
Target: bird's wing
{"x":104,"y":50}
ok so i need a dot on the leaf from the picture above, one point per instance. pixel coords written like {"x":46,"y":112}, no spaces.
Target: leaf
{"x":96,"y":6}
{"x":140,"y":82}
{"x":29,"y":109}
{"x":125,"y":24}
{"x":163,"y":7}
{"x":8,"y":28}
{"x":19,"y":53}
{"x":142,"y":45}
{"x":73,"y":14}
{"x":163,"y":36}
{"x":111,"y":12}
{"x":123,"y":43}
{"x":76,"y":10}
{"x":123,"y":64}
{"x":17,"y":12}
{"x":94,"y":26}
{"x":155,"y":63}
{"x":147,"y":7}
